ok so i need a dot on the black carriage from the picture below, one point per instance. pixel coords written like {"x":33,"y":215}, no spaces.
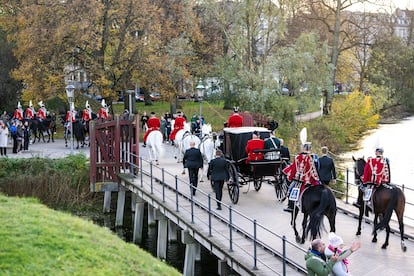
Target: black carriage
{"x":268,"y":170}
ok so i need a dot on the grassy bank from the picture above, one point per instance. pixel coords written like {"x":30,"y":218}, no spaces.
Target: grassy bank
{"x":39,"y":241}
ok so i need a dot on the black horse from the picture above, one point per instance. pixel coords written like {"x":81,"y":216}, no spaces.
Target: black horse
{"x":41,"y":128}
{"x":78,"y":131}
{"x":316,"y":201}
{"x":386,"y":199}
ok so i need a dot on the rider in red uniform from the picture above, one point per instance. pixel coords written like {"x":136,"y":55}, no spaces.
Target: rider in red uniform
{"x":254,"y":144}
{"x":178,"y":124}
{"x":18,"y":113}
{"x":235,"y":120}
{"x":302,"y":170}
{"x":87,"y":113}
{"x":103,"y":111}
{"x":30,"y":112}
{"x":153,"y":123}
{"x":377,"y":169}
{"x":70,"y":116}
{"x":42,"y":112}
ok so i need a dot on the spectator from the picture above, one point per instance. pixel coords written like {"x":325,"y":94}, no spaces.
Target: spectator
{"x":167,"y":129}
{"x":196,"y":127}
{"x":163,"y":124}
{"x":26,"y":136}
{"x":326,"y":170}
{"x":19,"y":137}
{"x":13,"y":133}
{"x":218,"y":172}
{"x":5,"y":117}
{"x":335,"y":246}
{"x":193,"y":160}
{"x":4,"y":135}
{"x":144,"y":120}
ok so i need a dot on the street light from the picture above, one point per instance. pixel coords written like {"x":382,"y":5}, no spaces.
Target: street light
{"x":70,"y":89}
{"x":200,"y":93}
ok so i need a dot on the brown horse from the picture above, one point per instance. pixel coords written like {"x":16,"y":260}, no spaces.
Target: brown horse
{"x":386,"y":199}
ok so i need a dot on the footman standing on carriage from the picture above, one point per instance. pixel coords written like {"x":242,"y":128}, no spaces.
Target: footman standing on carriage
{"x":303,"y":171}
{"x":103,"y":111}
{"x":18,"y":112}
{"x":178,"y":125}
{"x":153,"y":123}
{"x":30,"y":112}
{"x":235,"y":120}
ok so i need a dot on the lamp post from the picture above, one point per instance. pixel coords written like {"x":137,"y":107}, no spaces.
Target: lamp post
{"x":200,"y":93}
{"x":70,"y":89}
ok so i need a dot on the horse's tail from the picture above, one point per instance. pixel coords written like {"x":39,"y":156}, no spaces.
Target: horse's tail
{"x":388,"y":213}
{"x":315,"y":224}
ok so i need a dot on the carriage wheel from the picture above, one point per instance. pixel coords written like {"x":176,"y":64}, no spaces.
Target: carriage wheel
{"x":281,"y":186}
{"x":233,"y":185}
{"x":257,"y":183}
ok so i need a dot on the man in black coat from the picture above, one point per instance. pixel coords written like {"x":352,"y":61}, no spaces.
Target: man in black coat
{"x":193,"y":160}
{"x":218,"y":172}
{"x":326,"y":170}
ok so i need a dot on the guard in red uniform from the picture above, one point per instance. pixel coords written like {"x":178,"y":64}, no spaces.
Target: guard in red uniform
{"x":18,"y":112}
{"x":377,"y":169}
{"x":178,"y":124}
{"x":302,"y":170}
{"x":30,"y":112}
{"x":235,"y":120}
{"x":42,"y":112}
{"x":103,"y":111}
{"x":87,"y":113}
{"x":71,"y":116}
{"x":153,"y":123}
{"x":254,"y":144}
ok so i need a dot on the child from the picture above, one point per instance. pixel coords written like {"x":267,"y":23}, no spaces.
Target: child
{"x":335,"y":246}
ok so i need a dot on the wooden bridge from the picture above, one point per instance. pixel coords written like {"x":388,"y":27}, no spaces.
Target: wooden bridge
{"x":253,"y":237}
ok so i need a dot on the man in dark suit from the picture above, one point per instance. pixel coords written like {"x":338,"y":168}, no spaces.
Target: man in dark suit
{"x":193,"y":160}
{"x":218,"y":172}
{"x":326,"y":170}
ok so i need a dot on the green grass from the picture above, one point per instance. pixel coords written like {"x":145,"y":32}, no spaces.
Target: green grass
{"x":36,"y":240}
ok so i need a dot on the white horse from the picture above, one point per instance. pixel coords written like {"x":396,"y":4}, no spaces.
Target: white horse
{"x":178,"y":141}
{"x":208,"y":146}
{"x":154,"y":143}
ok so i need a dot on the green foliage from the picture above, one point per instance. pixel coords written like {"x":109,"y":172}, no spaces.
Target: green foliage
{"x":39,"y":241}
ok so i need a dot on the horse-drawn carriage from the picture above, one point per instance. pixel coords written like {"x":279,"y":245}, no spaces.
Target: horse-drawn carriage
{"x":256,"y":172}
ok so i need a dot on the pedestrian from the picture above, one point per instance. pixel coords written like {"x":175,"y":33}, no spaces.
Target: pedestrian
{"x":163,"y":123}
{"x":317,"y":266}
{"x":284,"y":151}
{"x":26,"y":136}
{"x":167,"y":129}
{"x":19,"y":137}
{"x":218,"y":173}
{"x":13,"y":133}
{"x":336,"y":245}
{"x":4,"y":135}
{"x":326,"y":170}
{"x":193,"y":161}
{"x":144,"y":119}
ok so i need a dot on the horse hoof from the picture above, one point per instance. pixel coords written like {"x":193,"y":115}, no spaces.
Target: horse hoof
{"x":358,"y":233}
{"x":374,"y":240}
{"x":404,"y":248}
{"x":384,"y":246}
{"x":298,"y":239}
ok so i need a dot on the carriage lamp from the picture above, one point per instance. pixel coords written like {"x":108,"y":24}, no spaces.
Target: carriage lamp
{"x":200,"y":93}
{"x":70,"y":91}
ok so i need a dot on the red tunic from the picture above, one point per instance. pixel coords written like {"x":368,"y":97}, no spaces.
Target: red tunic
{"x":235,"y":120}
{"x":103,"y":113}
{"x":376,"y":171}
{"x":303,"y":170}
{"x":86,"y":115}
{"x":29,"y":113}
{"x":178,"y":124}
{"x":73,"y":116}
{"x":153,"y":123}
{"x":18,"y":114}
{"x":254,"y":144}
{"x":41,"y":113}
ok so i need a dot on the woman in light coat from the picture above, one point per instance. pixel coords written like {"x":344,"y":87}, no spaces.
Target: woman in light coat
{"x":4,"y":136}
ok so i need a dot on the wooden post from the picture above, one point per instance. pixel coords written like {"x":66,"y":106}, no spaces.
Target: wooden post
{"x":190,"y":253}
{"x":162,"y":235}
{"x":138,"y":219}
{"x":120,"y":207}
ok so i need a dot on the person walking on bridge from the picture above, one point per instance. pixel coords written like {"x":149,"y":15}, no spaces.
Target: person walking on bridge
{"x":326,"y":169}
{"x":193,"y":160}
{"x":218,"y":172}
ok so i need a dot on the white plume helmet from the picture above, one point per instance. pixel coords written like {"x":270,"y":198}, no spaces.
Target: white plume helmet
{"x":87,"y":105}
{"x":303,"y":135}
{"x":19,"y":105}
{"x":30,"y":103}
{"x":103,"y":103}
{"x":41,"y":104}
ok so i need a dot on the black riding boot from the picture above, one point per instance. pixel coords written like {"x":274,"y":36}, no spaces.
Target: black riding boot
{"x":359,"y":201}
{"x":290,"y":206}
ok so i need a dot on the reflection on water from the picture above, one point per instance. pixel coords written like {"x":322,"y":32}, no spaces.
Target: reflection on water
{"x":207,"y":266}
{"x":397,"y":141}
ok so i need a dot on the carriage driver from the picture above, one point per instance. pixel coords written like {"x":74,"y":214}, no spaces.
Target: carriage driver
{"x":18,"y":113}
{"x":254,"y":144}
{"x":235,"y":120}
{"x":178,"y":125}
{"x":103,"y":111}
{"x":302,"y":170}
{"x":42,"y":112}
{"x":87,"y":113}
{"x":153,"y":123}
{"x":30,"y":112}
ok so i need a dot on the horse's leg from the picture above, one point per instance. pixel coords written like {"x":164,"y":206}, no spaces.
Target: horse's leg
{"x":401,"y":224}
{"x":331,"y":218}
{"x":374,"y":239}
{"x":387,"y":236}
{"x":294,"y":215}
{"x":304,"y":223}
{"x":361,"y":214}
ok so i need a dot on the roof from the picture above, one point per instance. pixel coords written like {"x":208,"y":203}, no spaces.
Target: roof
{"x":238,"y":130}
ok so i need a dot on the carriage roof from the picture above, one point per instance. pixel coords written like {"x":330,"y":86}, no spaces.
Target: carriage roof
{"x":235,"y":140}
